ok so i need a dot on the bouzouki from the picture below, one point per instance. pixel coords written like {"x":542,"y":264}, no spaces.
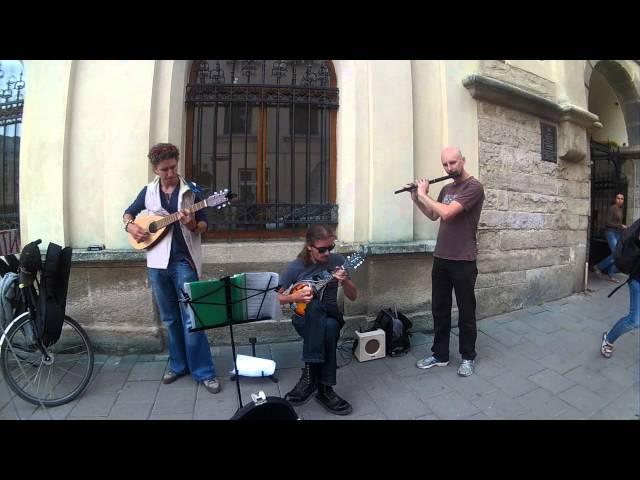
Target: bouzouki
{"x":353,"y":262}
{"x":157,"y":225}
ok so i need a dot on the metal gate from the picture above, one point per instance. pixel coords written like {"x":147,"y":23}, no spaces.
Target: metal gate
{"x":606,"y":181}
{"x":11,"y":105}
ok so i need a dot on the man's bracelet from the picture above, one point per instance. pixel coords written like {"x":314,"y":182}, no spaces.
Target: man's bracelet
{"x":126,"y":225}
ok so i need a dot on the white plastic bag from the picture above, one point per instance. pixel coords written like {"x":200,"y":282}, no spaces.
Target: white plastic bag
{"x":253,"y":366}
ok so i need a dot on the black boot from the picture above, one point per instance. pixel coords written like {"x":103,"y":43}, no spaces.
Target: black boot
{"x":332,"y":402}
{"x":307,"y":384}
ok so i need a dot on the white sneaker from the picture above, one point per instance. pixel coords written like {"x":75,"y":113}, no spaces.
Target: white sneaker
{"x":431,"y":362}
{"x":466,"y":368}
{"x":606,"y":348}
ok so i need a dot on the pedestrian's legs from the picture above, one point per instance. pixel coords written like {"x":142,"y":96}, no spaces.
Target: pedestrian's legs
{"x":613,"y":238}
{"x":196,"y":344}
{"x":605,"y":264}
{"x":630,"y":321}
{"x":441,"y":302}
{"x":464,"y":276}
{"x":164,"y":293}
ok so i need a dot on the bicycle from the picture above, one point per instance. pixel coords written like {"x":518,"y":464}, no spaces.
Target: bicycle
{"x":45,"y":372}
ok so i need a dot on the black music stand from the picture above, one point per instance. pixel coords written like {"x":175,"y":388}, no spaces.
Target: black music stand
{"x":229,"y":303}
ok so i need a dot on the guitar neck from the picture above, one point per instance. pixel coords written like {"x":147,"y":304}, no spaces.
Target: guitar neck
{"x":321,"y":284}
{"x":174,"y":216}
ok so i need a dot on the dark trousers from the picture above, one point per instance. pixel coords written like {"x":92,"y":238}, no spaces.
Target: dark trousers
{"x":448,"y":275}
{"x":320,"y":334}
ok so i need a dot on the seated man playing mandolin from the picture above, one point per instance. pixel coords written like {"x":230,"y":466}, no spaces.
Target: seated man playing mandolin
{"x":174,"y":259}
{"x":314,"y":278}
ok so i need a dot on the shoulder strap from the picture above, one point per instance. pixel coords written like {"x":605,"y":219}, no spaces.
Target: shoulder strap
{"x":619,"y":286}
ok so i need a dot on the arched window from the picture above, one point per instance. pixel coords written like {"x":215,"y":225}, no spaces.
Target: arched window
{"x":265,"y":129}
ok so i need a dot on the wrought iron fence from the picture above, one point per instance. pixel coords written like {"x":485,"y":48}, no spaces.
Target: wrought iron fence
{"x":272,"y":216}
{"x":11,"y":106}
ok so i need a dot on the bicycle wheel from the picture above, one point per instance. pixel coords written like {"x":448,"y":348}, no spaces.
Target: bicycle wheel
{"x":50,"y":381}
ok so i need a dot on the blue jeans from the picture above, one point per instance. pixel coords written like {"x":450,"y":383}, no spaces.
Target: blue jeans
{"x":607,"y":264}
{"x":320,"y":334}
{"x":188,"y":351}
{"x":630,"y":321}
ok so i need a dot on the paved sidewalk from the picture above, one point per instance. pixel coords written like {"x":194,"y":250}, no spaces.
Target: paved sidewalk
{"x":539,"y":363}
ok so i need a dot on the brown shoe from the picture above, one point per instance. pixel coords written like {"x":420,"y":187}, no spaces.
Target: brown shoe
{"x":170,"y":377}
{"x":212,"y":385}
{"x":598,"y":272}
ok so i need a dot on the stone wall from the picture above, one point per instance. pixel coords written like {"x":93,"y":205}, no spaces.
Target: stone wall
{"x":109,"y":293}
{"x":533,"y":227}
{"x":518,"y":77}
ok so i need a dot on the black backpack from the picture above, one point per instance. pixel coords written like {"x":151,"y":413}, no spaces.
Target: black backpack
{"x":627,"y":251}
{"x":52,"y":298}
{"x":627,"y":254}
{"x":396,"y":329}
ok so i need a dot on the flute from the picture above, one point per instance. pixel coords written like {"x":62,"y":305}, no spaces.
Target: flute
{"x":435,"y":180}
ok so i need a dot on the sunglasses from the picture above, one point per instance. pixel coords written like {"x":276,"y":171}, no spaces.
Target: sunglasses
{"x":324,"y":249}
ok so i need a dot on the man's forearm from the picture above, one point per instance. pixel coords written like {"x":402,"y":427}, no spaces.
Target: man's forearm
{"x":426,"y":208}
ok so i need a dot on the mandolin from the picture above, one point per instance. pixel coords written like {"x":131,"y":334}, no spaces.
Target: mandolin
{"x":353,"y":262}
{"x":157,"y":225}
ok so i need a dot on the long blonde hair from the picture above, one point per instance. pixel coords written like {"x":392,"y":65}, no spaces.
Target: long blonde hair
{"x":314,"y":233}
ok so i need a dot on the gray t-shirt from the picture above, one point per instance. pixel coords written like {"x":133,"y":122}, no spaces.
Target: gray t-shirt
{"x":457,"y":236}
{"x":297,"y":271}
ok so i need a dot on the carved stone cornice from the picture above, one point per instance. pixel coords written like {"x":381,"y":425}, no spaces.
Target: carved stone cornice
{"x":495,"y":91}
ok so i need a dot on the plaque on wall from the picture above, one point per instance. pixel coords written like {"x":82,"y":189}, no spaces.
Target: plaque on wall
{"x":548,"y":143}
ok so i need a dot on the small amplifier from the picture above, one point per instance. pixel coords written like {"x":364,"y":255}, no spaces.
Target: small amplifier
{"x":371,"y":345}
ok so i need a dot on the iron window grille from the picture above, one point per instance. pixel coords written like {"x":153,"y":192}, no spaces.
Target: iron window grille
{"x":275,"y":119}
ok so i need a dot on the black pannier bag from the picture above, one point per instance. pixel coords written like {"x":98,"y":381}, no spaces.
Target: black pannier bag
{"x":52,"y":299}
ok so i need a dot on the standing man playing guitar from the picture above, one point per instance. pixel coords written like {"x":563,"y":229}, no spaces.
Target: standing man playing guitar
{"x":174,"y":260}
{"x":320,"y":326}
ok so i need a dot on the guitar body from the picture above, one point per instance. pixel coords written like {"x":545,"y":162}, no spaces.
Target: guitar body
{"x":353,"y":261}
{"x":299,"y":308}
{"x":157,"y":225}
{"x":145,"y":222}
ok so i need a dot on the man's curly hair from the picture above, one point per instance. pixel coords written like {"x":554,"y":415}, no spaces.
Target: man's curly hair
{"x":163,"y":151}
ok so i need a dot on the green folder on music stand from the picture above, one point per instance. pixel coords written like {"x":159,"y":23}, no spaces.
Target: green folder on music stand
{"x":247,"y":298}
{"x":210,"y":304}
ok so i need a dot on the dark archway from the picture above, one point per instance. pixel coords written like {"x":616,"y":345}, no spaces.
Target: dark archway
{"x":607,"y":172}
